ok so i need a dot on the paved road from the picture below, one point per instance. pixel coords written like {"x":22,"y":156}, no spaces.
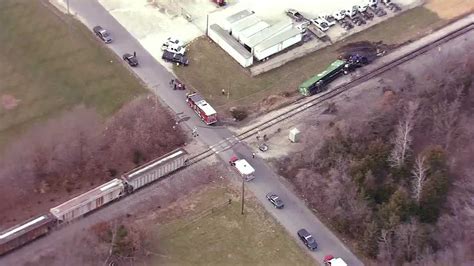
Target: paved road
{"x":295,"y":215}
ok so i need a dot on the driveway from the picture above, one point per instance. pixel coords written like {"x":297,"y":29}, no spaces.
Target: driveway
{"x":295,"y":215}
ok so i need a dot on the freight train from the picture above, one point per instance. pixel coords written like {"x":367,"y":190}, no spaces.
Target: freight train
{"x":92,"y":200}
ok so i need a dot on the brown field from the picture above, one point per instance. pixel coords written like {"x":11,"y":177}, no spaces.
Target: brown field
{"x":448,"y":9}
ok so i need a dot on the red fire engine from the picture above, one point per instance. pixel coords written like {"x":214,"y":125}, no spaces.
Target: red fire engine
{"x":204,"y":110}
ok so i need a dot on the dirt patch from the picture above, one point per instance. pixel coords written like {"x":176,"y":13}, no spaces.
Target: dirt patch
{"x":450,"y":9}
{"x":367,"y":49}
{"x":8,"y":102}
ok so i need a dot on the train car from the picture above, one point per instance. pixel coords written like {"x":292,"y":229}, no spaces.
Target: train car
{"x":155,"y":169}
{"x":316,"y":84}
{"x":28,"y":231}
{"x":89,"y":201}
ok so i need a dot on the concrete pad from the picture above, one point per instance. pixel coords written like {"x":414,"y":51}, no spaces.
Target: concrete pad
{"x":151,"y":22}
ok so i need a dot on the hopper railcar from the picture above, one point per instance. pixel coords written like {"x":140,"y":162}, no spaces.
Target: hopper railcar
{"x":26,"y":232}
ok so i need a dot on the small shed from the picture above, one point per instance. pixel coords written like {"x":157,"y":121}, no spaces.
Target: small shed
{"x":294,"y":135}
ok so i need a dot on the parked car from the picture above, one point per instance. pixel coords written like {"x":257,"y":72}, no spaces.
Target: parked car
{"x":372,"y":3}
{"x":346,"y":24}
{"x":170,"y":41}
{"x":307,"y":239}
{"x":362,"y":8}
{"x":357,"y":20}
{"x":130,"y":59}
{"x":275,"y":200}
{"x":379,"y":12}
{"x":340,"y":15}
{"x":175,"y":58}
{"x":102,"y":34}
{"x":323,"y":26}
{"x":352,"y":12}
{"x":292,"y":13}
{"x":176,"y":49}
{"x":394,"y":7}
{"x":367,"y":15}
{"x":302,"y":26}
{"x":330,"y":19}
{"x":330,"y":22}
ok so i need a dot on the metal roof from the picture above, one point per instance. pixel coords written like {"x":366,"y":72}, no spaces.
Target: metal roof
{"x":30,"y":224}
{"x":276,"y":39}
{"x":268,"y":32}
{"x":231,"y":41}
{"x":246,"y":33}
{"x":206,"y":108}
{"x":86,"y":197}
{"x":332,"y":67}
{"x":244,"y":167}
{"x":238,"y":16}
{"x":135,"y":173}
{"x":244,"y":23}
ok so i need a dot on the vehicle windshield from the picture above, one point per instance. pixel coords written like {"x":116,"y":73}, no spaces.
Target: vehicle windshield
{"x":105,"y":33}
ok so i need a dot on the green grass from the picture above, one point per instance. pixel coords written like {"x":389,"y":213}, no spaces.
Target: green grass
{"x":225,"y":237}
{"x":212,"y":70}
{"x":51,"y":67}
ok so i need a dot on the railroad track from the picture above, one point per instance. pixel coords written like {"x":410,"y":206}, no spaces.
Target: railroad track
{"x":321,"y":98}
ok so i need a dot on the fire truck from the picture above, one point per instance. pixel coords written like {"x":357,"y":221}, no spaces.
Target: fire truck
{"x":204,"y":110}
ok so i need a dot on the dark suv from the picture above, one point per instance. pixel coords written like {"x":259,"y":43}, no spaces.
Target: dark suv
{"x":175,"y":58}
{"x":130,"y":59}
{"x":307,"y":239}
{"x":102,"y":34}
{"x":275,"y":200}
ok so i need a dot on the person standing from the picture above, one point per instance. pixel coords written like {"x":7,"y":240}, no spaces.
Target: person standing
{"x":223,"y":92}
{"x":134,"y":54}
{"x":253,"y":155}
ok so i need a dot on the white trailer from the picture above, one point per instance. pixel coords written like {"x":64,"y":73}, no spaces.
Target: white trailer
{"x":277,"y":43}
{"x":230,"y":45}
{"x":245,"y":169}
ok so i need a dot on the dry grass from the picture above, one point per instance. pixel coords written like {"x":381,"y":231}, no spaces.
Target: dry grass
{"x":49,"y":67}
{"x":212,"y":70}
{"x":448,"y":9}
{"x":203,"y":235}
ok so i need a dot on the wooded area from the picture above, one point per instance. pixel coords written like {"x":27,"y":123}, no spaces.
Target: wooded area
{"x":400,"y":184}
{"x":78,"y":150}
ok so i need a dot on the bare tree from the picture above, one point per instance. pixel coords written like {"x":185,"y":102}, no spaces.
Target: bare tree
{"x":403,"y":138}
{"x":419,"y":173}
{"x":445,"y":115}
{"x":386,"y":252}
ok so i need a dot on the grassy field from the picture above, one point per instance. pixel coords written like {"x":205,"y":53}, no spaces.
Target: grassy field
{"x":209,"y":75}
{"x":212,"y":232}
{"x":49,"y":67}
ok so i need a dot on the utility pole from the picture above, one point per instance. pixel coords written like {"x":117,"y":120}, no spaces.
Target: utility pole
{"x":243,"y":192}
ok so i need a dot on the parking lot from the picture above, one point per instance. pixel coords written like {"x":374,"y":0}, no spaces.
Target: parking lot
{"x":151,"y":22}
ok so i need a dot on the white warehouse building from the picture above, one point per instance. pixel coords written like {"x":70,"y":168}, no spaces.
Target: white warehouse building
{"x":244,"y":36}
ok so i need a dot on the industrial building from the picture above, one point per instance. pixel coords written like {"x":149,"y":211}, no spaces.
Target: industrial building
{"x":244,"y":36}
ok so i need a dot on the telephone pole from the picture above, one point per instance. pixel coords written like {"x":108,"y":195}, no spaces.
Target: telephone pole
{"x":243,"y":192}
